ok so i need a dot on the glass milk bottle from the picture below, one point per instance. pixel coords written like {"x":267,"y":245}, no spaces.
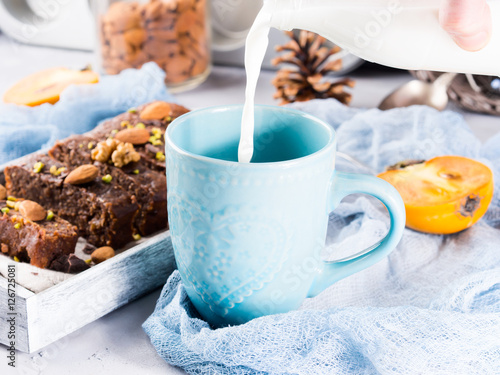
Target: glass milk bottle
{"x":399,"y":33}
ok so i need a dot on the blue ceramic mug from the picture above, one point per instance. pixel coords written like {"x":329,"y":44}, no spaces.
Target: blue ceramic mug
{"x":241,"y":231}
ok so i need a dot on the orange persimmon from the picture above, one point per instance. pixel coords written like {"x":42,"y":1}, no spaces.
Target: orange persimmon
{"x":46,"y":86}
{"x":443,"y":195}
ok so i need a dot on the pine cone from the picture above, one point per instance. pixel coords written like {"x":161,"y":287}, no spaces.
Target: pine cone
{"x":311,"y":58}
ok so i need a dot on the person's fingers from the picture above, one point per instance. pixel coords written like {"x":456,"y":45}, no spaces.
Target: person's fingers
{"x":467,"y":21}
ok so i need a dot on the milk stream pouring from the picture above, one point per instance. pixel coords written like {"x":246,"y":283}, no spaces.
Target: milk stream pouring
{"x":399,"y":33}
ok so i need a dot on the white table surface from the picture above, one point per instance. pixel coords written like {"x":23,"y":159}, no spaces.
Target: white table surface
{"x":116,"y":343}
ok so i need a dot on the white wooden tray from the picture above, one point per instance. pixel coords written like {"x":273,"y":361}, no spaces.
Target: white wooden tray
{"x":44,"y":317}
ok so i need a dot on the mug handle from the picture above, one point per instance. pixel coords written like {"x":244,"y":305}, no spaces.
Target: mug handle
{"x":344,"y":184}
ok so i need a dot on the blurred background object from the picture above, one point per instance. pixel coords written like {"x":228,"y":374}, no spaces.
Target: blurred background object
{"x":172,"y":33}
{"x":68,"y":24}
{"x":47,"y":85}
{"x":416,"y":92}
{"x":306,"y":60}
{"x":474,"y":93}
{"x":53,"y":23}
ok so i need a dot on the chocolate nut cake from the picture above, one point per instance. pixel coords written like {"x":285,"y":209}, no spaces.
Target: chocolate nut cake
{"x":68,"y":264}
{"x":149,"y":187}
{"x":34,"y":235}
{"x":109,"y":183}
{"x":102,"y":210}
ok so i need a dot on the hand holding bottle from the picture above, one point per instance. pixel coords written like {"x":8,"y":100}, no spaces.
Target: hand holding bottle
{"x":467,"y":21}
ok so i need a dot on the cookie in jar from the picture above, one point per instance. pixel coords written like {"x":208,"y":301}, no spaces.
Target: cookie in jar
{"x":172,"y":33}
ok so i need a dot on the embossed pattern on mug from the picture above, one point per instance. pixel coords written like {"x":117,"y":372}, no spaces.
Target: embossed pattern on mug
{"x":202,"y":236}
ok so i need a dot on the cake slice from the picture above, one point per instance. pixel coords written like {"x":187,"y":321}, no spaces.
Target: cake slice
{"x":149,"y":187}
{"x":34,"y":237}
{"x":101,"y":209}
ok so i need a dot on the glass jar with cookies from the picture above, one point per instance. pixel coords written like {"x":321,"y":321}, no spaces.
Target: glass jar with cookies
{"x":172,"y":33}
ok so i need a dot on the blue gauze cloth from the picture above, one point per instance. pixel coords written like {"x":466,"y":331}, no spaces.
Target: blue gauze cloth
{"x":80,"y":108}
{"x":431,"y":307}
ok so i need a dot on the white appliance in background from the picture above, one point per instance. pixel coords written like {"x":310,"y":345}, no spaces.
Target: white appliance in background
{"x":231,"y":21}
{"x":69,"y":24}
{"x":53,"y":23}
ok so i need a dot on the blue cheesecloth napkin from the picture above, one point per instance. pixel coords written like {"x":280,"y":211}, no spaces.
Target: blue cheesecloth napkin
{"x":80,"y":108}
{"x":431,"y":307}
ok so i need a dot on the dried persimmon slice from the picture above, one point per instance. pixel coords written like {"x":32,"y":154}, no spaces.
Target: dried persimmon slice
{"x":443,"y":195}
{"x":46,"y":86}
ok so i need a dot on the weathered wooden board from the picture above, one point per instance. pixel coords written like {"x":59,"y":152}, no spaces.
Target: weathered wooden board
{"x":45,"y":317}
{"x":21,"y":317}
